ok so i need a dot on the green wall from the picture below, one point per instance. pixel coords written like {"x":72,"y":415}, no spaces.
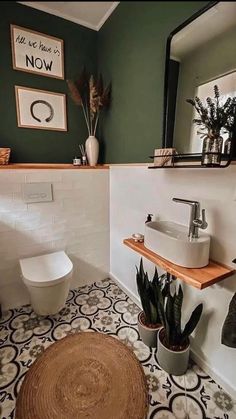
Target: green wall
{"x":31,"y":145}
{"x":131,"y":53}
{"x":129,"y":50}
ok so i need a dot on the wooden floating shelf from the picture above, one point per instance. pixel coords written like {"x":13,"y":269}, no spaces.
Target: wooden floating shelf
{"x":49,"y":166}
{"x":199,"y":278}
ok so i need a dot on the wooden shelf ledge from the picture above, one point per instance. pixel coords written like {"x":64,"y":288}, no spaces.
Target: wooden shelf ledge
{"x":199,"y":278}
{"x":49,"y":166}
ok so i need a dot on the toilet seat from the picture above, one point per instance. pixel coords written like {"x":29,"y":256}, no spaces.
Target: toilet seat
{"x":45,"y":270}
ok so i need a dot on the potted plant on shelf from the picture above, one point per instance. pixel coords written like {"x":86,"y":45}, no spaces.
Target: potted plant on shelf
{"x":149,"y":321}
{"x":214,"y":118}
{"x":173,"y":342}
{"x":91,"y":95}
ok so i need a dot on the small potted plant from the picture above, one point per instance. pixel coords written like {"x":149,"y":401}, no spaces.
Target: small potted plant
{"x":214,"y":118}
{"x":173,"y":342}
{"x":93,"y":97}
{"x":149,"y":321}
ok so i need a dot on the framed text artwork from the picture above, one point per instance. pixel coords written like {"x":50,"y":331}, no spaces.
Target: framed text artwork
{"x":40,"y":109}
{"x":35,"y":52}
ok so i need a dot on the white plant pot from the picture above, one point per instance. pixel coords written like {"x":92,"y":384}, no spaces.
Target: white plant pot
{"x":92,"y":150}
{"x":147,"y":334}
{"x":173,"y":362}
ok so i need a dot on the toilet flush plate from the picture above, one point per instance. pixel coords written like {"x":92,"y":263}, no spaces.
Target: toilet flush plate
{"x":37,"y":192}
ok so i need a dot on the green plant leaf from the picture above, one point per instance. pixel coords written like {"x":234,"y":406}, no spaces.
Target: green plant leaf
{"x":170,"y":310}
{"x":170,"y":326}
{"x":156,"y":292}
{"x":192,"y":323}
{"x":155,"y":277}
{"x":146,"y":295}
{"x":177,"y":309}
{"x":166,"y":290}
{"x":141,"y":270}
{"x":160,"y":301}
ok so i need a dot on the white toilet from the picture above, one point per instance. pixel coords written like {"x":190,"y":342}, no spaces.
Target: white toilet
{"x":47,"y":278}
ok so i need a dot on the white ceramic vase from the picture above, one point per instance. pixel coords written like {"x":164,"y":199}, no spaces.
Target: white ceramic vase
{"x":92,"y":150}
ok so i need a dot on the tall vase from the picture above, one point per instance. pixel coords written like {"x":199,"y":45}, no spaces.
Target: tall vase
{"x":92,"y":150}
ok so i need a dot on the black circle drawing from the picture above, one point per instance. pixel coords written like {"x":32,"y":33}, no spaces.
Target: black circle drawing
{"x":44,"y":102}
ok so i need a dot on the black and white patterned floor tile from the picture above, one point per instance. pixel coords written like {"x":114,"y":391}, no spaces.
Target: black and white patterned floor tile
{"x":105,"y":308}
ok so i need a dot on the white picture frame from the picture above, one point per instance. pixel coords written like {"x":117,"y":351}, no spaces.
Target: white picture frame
{"x":35,"y":52}
{"x":40,"y":109}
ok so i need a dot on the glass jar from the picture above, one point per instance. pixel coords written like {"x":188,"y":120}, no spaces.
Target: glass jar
{"x":228,"y":146}
{"x":216,"y":148}
{"x":206,"y":148}
{"x":212,"y":150}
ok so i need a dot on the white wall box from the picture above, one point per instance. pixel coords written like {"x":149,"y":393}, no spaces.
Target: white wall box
{"x":37,"y":192}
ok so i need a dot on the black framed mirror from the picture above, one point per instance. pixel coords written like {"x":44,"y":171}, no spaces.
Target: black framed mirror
{"x":200,"y":53}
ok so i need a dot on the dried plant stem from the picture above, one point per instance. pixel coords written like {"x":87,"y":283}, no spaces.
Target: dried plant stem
{"x":86,"y":119}
{"x":82,"y":150}
{"x":96,"y":122}
{"x":91,"y":124}
{"x":92,"y":97}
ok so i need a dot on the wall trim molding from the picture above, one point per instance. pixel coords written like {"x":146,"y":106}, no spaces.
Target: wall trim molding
{"x":107,"y":15}
{"x":201,"y":362}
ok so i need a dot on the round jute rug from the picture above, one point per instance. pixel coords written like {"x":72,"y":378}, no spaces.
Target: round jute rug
{"x":84,"y":375}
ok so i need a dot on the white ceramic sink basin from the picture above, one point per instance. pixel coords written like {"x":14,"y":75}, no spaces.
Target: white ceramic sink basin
{"x":170,"y":241}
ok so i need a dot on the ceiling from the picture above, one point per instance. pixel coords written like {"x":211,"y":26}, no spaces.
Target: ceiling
{"x":91,"y":14}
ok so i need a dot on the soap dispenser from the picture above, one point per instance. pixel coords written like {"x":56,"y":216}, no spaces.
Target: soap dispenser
{"x":149,"y":218}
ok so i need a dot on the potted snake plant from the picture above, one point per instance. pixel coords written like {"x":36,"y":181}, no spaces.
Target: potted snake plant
{"x":149,"y":321}
{"x":173,"y":342}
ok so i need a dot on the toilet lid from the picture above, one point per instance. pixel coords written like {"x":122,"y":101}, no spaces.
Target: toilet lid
{"x":47,"y":269}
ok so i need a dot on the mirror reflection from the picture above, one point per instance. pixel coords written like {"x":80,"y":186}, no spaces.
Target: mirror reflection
{"x":202,"y":55}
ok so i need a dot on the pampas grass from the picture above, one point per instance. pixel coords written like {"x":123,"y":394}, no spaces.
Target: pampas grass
{"x":91,"y":96}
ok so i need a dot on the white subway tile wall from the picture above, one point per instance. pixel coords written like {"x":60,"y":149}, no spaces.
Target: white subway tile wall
{"x":77,"y":221}
{"x":135,"y":192}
